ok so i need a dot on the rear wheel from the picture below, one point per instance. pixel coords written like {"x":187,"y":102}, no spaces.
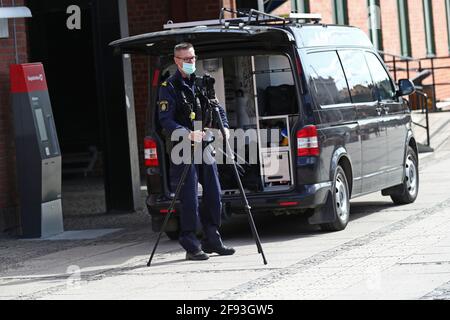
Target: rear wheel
{"x":408,"y":190}
{"x":341,"y":202}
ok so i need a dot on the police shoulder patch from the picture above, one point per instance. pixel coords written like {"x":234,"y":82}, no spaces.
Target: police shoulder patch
{"x":163,"y":105}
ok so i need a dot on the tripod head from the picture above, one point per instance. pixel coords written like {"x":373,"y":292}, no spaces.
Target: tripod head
{"x":208,"y":100}
{"x":206,"y":86}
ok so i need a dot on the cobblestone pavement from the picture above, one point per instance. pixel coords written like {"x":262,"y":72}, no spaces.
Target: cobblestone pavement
{"x":386,"y":252}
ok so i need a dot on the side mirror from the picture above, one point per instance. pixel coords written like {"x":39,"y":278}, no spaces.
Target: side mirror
{"x":405,"y":87}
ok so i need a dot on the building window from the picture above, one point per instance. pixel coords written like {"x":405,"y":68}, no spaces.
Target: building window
{"x":340,"y":12}
{"x":375,"y":30}
{"x":301,"y":6}
{"x":447,"y":9}
{"x":429,"y":28}
{"x":403,"y":21}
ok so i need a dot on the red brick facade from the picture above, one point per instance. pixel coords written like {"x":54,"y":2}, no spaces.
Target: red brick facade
{"x":8,"y":195}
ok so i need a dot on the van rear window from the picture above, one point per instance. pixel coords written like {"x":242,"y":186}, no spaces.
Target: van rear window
{"x":328,"y":81}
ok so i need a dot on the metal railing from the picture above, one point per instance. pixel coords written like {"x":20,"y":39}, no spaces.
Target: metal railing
{"x":423,"y":101}
{"x":406,"y":65}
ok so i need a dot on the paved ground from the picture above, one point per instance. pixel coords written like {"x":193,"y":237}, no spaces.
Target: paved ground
{"x":386,"y":252}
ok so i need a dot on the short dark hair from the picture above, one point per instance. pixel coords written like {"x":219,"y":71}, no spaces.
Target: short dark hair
{"x":182,"y":46}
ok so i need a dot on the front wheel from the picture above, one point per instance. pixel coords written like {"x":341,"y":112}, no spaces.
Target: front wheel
{"x":409,"y":189}
{"x":341,"y":202}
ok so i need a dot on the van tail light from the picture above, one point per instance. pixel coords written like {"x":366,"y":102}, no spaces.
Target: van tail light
{"x":166,"y":211}
{"x":150,"y":152}
{"x":155,"y":81}
{"x":288,"y":203}
{"x":307,"y":142}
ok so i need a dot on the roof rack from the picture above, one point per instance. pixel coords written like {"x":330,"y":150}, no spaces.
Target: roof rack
{"x":253,"y":17}
{"x":245,"y":18}
{"x":171,"y":25}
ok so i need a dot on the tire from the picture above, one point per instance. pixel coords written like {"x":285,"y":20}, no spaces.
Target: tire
{"x":340,"y":202}
{"x":173,"y":235}
{"x":409,"y":189}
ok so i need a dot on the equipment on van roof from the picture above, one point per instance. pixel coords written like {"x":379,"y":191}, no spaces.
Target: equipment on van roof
{"x":254,"y":17}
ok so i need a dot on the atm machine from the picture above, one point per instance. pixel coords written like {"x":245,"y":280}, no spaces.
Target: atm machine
{"x":38,"y":156}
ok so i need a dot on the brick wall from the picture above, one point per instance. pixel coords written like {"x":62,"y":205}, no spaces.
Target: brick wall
{"x":358,"y":14}
{"x":390,"y":28}
{"x":442,"y":47}
{"x":284,"y":9}
{"x":416,"y":28}
{"x":324,"y":7}
{"x":8,"y":194}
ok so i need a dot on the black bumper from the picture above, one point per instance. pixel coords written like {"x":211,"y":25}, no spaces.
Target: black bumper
{"x":303,"y":197}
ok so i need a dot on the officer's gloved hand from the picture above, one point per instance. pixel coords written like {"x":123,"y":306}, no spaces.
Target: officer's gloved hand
{"x":196,"y":136}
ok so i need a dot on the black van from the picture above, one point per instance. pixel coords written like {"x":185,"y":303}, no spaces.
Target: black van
{"x":347,"y":129}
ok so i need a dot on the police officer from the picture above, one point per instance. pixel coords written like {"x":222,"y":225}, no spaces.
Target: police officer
{"x":178,"y":108}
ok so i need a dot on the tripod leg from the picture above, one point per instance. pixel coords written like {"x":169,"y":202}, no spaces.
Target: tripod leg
{"x":241,"y":187}
{"x":171,"y":207}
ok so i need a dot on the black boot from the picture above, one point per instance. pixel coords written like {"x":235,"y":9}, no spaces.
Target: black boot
{"x":200,"y":255}
{"x":221,"y":250}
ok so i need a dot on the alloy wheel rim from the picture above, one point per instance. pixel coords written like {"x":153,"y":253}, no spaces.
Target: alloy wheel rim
{"x":411,"y":176}
{"x":341,"y":198}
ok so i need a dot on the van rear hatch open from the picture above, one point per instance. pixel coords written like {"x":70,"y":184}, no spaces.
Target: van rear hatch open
{"x":256,"y":60}
{"x":204,"y":39}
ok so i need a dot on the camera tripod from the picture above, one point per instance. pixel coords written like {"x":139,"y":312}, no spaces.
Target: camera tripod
{"x":211,"y":105}
{"x":216,"y":116}
{"x":187,"y":166}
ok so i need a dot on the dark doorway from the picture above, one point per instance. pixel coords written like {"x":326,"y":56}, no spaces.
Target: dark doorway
{"x":87,"y":92}
{"x":68,"y":57}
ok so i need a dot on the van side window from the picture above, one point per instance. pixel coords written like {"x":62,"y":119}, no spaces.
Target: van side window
{"x":328,"y":81}
{"x":383,"y":84}
{"x":358,"y":76}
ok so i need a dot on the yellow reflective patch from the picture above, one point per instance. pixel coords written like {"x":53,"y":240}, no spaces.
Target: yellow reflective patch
{"x":164,"y":84}
{"x":192,"y":115}
{"x":163,"y":105}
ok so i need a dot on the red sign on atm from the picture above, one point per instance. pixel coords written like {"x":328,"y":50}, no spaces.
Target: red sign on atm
{"x":27,"y":77}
